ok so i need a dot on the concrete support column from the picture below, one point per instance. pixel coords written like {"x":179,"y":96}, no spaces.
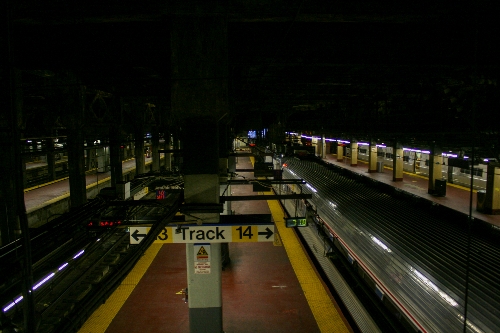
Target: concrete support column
{"x":168,"y":156}
{"x":76,"y":154}
{"x":140,"y":159}
{"x":23,"y":169}
{"x":176,"y":144}
{"x":223,"y":166}
{"x":340,"y":152}
{"x":435,"y":169}
{"x":115,"y":160}
{"x":449,"y":174}
{"x":201,"y":168}
{"x":397,"y":162}
{"x":231,"y":163}
{"x":13,"y":219}
{"x":492,"y":199}
{"x":11,"y":164}
{"x":155,"y":142}
{"x":91,"y":157}
{"x":76,"y":168}
{"x":10,"y":228}
{"x":323,"y":146}
{"x":51,"y":159}
{"x":315,"y":144}
{"x":199,"y":96}
{"x":372,"y":157}
{"x":354,"y":153}
{"x":125,"y":149}
{"x":102,"y":159}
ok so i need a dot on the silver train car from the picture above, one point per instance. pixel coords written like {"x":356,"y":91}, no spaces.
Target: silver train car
{"x":415,"y":274}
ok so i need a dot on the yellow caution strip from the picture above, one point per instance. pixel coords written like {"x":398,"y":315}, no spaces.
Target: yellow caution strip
{"x":45,"y":184}
{"x":102,"y":317}
{"x":325,"y":313}
{"x":320,"y":303}
{"x":102,"y":181}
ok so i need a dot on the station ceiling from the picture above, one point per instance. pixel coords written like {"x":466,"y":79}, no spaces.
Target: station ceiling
{"x":411,"y":71}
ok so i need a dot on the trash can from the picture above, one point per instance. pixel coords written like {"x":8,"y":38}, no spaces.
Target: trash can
{"x":481,"y":198}
{"x":440,"y":187}
{"x":380,"y":166}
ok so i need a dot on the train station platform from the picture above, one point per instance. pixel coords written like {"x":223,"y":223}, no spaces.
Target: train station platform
{"x":265,"y":287}
{"x":457,"y":197}
{"x":39,"y":196}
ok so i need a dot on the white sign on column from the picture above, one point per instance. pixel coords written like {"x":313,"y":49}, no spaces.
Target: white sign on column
{"x":202,"y":258}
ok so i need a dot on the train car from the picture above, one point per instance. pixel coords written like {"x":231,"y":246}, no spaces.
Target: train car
{"x":400,"y":267}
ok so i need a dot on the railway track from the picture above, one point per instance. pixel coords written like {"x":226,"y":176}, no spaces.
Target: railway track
{"x":77,"y":268}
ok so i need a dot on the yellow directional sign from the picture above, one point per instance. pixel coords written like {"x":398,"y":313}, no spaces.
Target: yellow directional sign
{"x":212,"y":233}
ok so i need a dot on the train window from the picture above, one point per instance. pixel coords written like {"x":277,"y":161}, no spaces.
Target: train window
{"x":362,"y":151}
{"x":426,"y":162}
{"x":379,"y":292}
{"x":388,"y":155}
{"x":406,"y":158}
{"x":350,"y":259}
{"x":380,"y":154}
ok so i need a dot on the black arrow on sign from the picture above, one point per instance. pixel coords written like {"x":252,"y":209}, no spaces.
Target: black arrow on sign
{"x":268,"y":232}
{"x":136,"y":235}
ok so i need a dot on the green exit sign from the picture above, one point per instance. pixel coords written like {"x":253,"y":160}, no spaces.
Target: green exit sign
{"x":296,"y":222}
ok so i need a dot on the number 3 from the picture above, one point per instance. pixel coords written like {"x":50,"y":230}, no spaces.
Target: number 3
{"x":163,"y":235}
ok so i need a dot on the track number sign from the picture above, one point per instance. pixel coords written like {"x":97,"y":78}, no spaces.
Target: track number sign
{"x":207,"y":233}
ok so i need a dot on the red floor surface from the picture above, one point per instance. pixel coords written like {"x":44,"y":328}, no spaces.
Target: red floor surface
{"x":259,"y":288}
{"x":39,"y":196}
{"x":154,"y":306}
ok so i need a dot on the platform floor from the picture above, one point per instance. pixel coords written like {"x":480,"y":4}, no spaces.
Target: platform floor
{"x":38,"y":196}
{"x":457,"y":197}
{"x":265,"y":288}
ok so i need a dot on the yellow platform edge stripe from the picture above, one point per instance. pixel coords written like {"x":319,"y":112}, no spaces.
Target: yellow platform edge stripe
{"x":320,"y":303}
{"x":103,"y":316}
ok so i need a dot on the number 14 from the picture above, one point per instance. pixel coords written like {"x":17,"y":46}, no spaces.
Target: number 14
{"x":247,"y":232}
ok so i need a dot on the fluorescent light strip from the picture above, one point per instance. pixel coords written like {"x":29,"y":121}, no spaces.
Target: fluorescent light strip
{"x":63,"y":266}
{"x":50,"y":276}
{"x":78,"y":254}
{"x":17,"y":300}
